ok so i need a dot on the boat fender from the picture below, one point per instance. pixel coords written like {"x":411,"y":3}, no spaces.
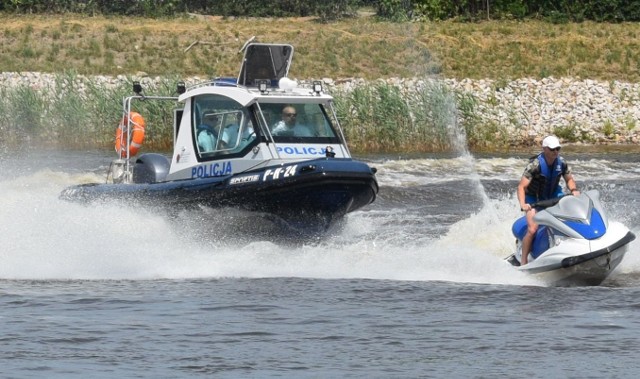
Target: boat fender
{"x":137,"y":134}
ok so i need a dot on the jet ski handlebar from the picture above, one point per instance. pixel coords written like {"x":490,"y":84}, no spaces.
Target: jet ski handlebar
{"x":546,"y":203}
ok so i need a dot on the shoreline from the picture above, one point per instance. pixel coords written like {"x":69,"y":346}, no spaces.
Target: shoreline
{"x":578,"y":111}
{"x":581,"y":112}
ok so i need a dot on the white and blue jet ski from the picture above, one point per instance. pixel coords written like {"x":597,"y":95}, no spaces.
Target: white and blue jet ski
{"x":575,"y":244}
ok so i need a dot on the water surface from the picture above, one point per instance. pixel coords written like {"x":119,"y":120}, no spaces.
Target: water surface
{"x":414,"y":286}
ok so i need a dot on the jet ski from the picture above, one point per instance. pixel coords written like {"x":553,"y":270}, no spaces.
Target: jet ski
{"x":575,"y":245}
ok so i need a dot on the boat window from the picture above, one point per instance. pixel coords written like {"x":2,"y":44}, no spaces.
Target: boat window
{"x":299,"y":123}
{"x":221,"y":126}
{"x":269,"y":62}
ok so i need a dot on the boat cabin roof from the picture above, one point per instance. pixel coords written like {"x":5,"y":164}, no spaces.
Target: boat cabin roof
{"x":262,"y":78}
{"x":247,"y":96}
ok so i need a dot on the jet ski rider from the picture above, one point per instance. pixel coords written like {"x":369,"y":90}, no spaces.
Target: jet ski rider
{"x":541,"y":181}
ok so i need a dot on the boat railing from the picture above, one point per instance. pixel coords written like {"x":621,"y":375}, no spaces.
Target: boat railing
{"x":216,"y":82}
{"x":121,"y":170}
{"x":264,"y":86}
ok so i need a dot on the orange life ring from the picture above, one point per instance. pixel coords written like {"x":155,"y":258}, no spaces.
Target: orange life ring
{"x":137,"y":134}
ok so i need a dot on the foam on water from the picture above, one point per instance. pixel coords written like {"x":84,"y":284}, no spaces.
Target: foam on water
{"x":403,"y":238}
{"x":429,"y":170}
{"x":47,"y":238}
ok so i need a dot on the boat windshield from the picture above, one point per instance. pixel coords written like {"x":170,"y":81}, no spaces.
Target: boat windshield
{"x":299,"y":123}
{"x":221,"y":126}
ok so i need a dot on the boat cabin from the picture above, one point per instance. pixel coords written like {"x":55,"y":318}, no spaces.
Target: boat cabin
{"x":228,"y":126}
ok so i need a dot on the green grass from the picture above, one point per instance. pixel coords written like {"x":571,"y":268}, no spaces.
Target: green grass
{"x":361,"y":47}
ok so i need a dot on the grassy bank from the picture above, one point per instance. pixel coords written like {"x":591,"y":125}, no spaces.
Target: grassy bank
{"x":376,"y":117}
{"x":361,"y":47}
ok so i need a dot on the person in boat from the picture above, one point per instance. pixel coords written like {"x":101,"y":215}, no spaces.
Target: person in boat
{"x":208,"y":133}
{"x":231,"y":131}
{"x":230,"y":136}
{"x":289,"y":125}
{"x":541,"y":181}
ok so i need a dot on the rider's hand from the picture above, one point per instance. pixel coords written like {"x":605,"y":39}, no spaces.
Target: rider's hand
{"x":526,"y":208}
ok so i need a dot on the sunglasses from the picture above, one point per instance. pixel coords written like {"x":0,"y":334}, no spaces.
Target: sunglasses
{"x":290,"y":114}
{"x":555,"y":149}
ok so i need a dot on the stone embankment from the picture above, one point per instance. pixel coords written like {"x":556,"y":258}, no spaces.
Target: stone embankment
{"x":579,"y":110}
{"x":590,"y":110}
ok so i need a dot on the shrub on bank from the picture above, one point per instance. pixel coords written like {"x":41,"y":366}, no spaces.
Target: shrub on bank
{"x":396,"y":10}
{"x":325,"y":10}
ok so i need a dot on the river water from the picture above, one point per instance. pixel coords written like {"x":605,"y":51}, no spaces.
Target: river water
{"x":413,"y":286}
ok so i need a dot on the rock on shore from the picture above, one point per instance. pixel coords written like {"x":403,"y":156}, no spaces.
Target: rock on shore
{"x":594,"y":111}
{"x":581,"y":110}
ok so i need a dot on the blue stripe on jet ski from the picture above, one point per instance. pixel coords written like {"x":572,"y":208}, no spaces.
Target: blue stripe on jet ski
{"x":595,"y":229}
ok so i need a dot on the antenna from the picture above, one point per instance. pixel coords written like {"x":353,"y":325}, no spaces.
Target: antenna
{"x":246,"y":43}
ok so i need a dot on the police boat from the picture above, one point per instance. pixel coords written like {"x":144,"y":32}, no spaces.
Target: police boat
{"x":231,"y":149}
{"x":576,"y":244}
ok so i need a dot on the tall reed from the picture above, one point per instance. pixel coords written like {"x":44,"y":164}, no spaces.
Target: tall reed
{"x":78,"y":112}
{"x":26,"y":109}
{"x":383,"y":117}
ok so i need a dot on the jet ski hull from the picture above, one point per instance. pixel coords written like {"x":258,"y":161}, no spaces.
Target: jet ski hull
{"x":575,"y":244}
{"x":587,"y":269}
